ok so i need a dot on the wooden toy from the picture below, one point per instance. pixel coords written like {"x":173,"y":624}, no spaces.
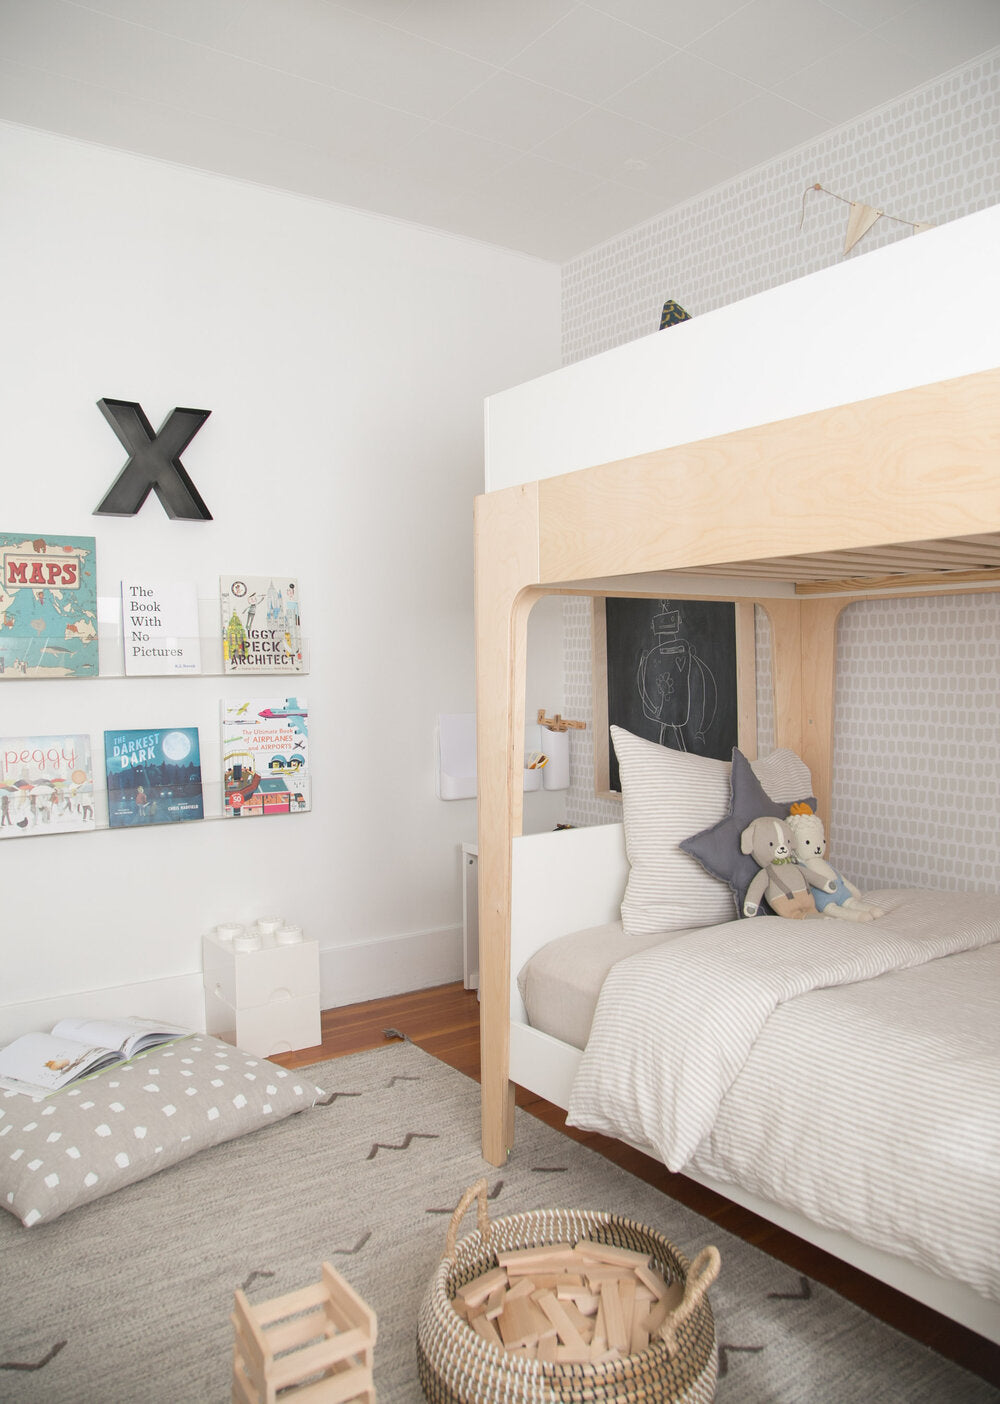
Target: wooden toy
{"x":578,"y":1303}
{"x":315,"y":1345}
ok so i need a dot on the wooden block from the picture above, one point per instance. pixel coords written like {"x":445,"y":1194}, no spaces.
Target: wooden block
{"x":484,"y":1327}
{"x":597,"y":1273}
{"x":528,"y":1260}
{"x":580,"y":1323}
{"x":521,"y":1287}
{"x":521,"y":1322}
{"x":614,"y":1317}
{"x":652,"y":1280}
{"x":480,"y":1287}
{"x":548,"y":1348}
{"x":557,"y":1313}
{"x":639,"y":1338}
{"x":599,"y":1340}
{"x":493,"y":1305}
{"x":611,"y":1253}
{"x":572,"y":1355}
{"x":585,"y":1301}
{"x":626,"y":1291}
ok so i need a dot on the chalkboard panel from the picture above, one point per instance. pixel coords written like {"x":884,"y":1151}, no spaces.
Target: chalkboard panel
{"x":672,"y":674}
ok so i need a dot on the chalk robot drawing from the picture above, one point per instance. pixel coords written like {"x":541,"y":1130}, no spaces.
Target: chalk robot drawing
{"x":677,"y":687}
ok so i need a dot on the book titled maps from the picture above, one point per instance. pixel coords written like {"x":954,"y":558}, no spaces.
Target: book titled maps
{"x":154,"y":776}
{"x":261,"y":632}
{"x":265,"y":756}
{"x":48,"y":606}
{"x":160,"y":627}
{"x":46,"y":785}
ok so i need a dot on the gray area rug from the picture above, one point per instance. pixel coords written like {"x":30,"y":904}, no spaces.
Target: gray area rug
{"x":127,"y":1301}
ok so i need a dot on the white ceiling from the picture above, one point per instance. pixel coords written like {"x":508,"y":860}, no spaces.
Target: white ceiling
{"x":545,"y":126}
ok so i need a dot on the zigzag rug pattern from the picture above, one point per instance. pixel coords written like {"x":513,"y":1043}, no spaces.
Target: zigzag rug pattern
{"x":128,"y":1299}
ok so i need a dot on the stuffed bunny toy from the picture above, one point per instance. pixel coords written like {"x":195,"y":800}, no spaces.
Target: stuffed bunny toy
{"x":781,"y":880}
{"x":809,"y":842}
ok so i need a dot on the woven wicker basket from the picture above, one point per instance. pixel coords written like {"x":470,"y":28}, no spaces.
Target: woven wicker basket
{"x":457,"y":1366}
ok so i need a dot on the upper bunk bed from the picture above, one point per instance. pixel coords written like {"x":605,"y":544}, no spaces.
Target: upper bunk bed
{"x":831,"y":439}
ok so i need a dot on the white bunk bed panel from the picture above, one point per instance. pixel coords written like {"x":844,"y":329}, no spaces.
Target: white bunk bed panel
{"x":905,"y":315}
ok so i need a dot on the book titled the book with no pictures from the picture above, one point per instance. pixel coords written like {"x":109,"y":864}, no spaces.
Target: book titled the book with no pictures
{"x":39,"y":1064}
{"x":160,"y":627}
{"x":261,"y":629}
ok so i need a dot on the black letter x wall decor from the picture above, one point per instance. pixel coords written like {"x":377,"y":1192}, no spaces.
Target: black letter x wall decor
{"x":154,"y":462}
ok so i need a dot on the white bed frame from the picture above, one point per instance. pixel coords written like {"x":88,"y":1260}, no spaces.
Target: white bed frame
{"x":573,"y":879}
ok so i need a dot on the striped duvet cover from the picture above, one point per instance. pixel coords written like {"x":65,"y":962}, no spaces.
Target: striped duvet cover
{"x":850,"y":1071}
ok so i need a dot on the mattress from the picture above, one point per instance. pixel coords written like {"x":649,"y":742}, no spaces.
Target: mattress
{"x":561,"y":982}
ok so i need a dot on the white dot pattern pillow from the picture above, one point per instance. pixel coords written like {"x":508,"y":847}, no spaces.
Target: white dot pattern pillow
{"x":126,"y":1123}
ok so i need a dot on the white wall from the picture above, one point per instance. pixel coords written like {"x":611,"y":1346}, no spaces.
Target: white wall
{"x":345,"y":359}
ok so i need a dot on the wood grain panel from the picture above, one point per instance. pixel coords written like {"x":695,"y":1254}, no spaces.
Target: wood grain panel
{"x":913,"y":466}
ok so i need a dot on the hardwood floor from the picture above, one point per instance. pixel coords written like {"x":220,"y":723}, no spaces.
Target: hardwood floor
{"x":445,"y":1023}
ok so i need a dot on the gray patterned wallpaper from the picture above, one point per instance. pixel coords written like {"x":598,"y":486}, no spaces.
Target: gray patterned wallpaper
{"x":917,"y":735}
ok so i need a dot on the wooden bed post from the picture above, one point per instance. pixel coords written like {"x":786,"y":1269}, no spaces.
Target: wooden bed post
{"x":506,"y":538}
{"x":804,"y":650}
{"x":786,"y":670}
{"x":819,"y":676}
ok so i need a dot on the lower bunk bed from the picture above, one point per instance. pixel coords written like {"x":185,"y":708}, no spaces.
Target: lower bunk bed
{"x":839,"y":1079}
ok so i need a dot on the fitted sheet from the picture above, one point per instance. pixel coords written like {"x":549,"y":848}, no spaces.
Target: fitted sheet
{"x":560,"y":983}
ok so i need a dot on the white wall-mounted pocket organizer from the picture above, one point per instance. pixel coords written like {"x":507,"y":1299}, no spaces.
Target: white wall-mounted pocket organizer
{"x":456,"y":747}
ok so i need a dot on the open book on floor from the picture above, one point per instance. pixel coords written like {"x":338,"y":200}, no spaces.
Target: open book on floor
{"x":39,"y":1064}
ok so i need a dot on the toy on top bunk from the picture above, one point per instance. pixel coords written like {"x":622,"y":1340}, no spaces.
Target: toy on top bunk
{"x":809,"y":844}
{"x":782,"y":881}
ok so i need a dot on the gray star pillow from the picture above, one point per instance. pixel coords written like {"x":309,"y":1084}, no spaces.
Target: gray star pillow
{"x":718,"y":848}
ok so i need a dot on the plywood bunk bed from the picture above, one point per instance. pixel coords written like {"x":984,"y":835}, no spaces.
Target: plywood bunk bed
{"x":817,"y":444}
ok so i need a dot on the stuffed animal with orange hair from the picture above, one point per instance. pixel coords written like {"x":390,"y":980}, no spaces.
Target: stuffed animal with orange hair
{"x":809,"y":844}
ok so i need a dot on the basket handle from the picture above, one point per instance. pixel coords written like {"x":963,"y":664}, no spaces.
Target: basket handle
{"x":479,"y":1189}
{"x":700,"y":1276}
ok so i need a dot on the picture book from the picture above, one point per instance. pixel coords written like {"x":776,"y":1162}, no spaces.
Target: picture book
{"x":160,"y":631}
{"x":39,"y":1064}
{"x":261,"y":631}
{"x":48,"y":606}
{"x":154,"y":776}
{"x":46,"y":785}
{"x":265,"y":756}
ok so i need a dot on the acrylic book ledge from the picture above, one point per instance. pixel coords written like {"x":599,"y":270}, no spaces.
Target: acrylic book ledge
{"x":213,"y":808}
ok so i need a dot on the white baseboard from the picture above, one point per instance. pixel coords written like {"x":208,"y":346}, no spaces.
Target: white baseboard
{"x":177,"y":999}
{"x":371,"y":969}
{"x":348,"y":975}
